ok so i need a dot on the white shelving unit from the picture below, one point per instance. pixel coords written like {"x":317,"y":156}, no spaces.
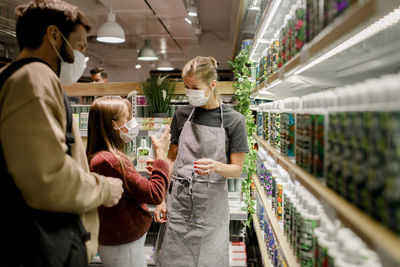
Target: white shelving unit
{"x":261,"y":242}
{"x":352,"y":48}
{"x":385,"y":242}
{"x":276,"y":228}
{"x":361,"y":43}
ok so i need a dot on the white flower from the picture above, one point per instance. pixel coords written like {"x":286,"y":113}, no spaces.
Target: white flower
{"x":164,"y":94}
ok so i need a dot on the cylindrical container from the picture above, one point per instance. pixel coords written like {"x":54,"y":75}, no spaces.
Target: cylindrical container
{"x":300,"y":25}
{"x":246,"y":43}
{"x":325,"y":243}
{"x":311,"y":220}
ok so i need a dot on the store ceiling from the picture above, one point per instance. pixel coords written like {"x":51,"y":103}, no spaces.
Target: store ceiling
{"x":211,"y":33}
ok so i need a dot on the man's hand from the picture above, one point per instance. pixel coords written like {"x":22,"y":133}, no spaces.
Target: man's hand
{"x":116,"y":192}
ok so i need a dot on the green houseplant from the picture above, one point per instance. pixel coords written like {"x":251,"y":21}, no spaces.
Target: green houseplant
{"x":158,"y":92}
{"x":240,"y":68}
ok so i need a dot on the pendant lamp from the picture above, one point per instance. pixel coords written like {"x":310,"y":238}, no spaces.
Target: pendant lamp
{"x":147,"y":53}
{"x":192,"y":10}
{"x":111,"y":31}
{"x":165,"y":64}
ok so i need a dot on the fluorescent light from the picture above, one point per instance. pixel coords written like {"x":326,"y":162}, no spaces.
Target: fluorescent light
{"x":385,"y":22}
{"x":188,"y":20}
{"x":253,"y":8}
{"x":138,"y":66}
{"x":273,"y":84}
{"x":270,"y":16}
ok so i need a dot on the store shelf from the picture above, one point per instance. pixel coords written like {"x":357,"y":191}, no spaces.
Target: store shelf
{"x":124,"y":88}
{"x":238,"y":215}
{"x":261,"y":242}
{"x":287,"y":252}
{"x":385,"y":242}
{"x":310,"y":70}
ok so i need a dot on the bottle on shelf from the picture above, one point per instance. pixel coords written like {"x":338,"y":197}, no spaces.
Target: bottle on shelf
{"x":311,"y":220}
{"x":143,"y":153}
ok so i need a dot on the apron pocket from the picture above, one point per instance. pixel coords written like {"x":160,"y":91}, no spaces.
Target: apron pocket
{"x":179,"y":202}
{"x":217,"y":206}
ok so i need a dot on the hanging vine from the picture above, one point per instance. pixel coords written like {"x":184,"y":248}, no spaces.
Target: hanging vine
{"x":240,"y":68}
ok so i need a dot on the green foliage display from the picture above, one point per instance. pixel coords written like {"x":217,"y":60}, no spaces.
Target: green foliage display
{"x":243,"y":86}
{"x":158,"y":91}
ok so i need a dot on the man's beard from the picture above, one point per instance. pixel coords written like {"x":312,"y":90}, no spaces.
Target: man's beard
{"x":63,"y":53}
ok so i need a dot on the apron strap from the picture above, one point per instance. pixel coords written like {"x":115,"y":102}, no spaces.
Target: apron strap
{"x":222,"y":114}
{"x":191,"y":114}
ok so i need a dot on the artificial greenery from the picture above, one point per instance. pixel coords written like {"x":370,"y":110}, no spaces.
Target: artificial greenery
{"x":158,"y":91}
{"x":240,"y":68}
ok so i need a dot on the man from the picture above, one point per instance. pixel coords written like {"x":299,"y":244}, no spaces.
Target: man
{"x":33,"y":123}
{"x":98,"y":75}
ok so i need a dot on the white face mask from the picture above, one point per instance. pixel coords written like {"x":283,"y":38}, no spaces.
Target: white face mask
{"x":133,"y":130}
{"x":197,"y":98}
{"x":71,"y":72}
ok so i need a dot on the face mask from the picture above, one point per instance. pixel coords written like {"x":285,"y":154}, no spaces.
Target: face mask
{"x":197,"y":98}
{"x":71,"y":72}
{"x":133,"y":130}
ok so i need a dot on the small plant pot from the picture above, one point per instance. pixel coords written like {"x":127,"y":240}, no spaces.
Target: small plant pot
{"x":159,"y":115}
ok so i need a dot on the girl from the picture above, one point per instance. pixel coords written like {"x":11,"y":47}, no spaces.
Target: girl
{"x":123,"y":227}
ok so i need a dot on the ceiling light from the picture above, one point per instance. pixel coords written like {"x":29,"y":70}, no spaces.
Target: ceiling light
{"x":165,"y":65}
{"x":111,"y":32}
{"x":192,"y":11}
{"x":188,"y":20}
{"x":138,"y":66}
{"x":147,"y":53}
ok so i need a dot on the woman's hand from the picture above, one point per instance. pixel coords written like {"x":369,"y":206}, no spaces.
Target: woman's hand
{"x":161,"y":144}
{"x":160,"y":214}
{"x":205,"y":166}
{"x":149,"y":166}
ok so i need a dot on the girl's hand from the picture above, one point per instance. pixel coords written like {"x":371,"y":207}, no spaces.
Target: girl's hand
{"x":161,"y":145}
{"x":160,"y":214}
{"x":149,"y":166}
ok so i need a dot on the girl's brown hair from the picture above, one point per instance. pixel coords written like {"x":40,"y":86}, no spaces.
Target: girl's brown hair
{"x":101,"y":133}
{"x":202,"y":68}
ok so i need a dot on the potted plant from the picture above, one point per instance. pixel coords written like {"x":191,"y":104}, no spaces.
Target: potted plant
{"x":158,"y":92}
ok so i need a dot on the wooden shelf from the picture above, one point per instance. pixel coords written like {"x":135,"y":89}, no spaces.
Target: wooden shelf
{"x":287,"y":252}
{"x":261,"y":242}
{"x":124,"y":88}
{"x":353,"y":19}
{"x":381,"y":239}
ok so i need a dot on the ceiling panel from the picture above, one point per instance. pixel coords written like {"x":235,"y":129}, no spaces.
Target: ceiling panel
{"x":170,"y":8}
{"x":215,"y":15}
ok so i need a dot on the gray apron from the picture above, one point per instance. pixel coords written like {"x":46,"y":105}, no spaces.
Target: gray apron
{"x":197,"y":229}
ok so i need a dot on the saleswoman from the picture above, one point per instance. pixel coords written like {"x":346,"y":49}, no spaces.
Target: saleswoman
{"x":208,"y":145}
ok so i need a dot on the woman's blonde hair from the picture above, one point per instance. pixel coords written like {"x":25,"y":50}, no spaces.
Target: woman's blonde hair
{"x":202,"y":68}
{"x":101,"y":133}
